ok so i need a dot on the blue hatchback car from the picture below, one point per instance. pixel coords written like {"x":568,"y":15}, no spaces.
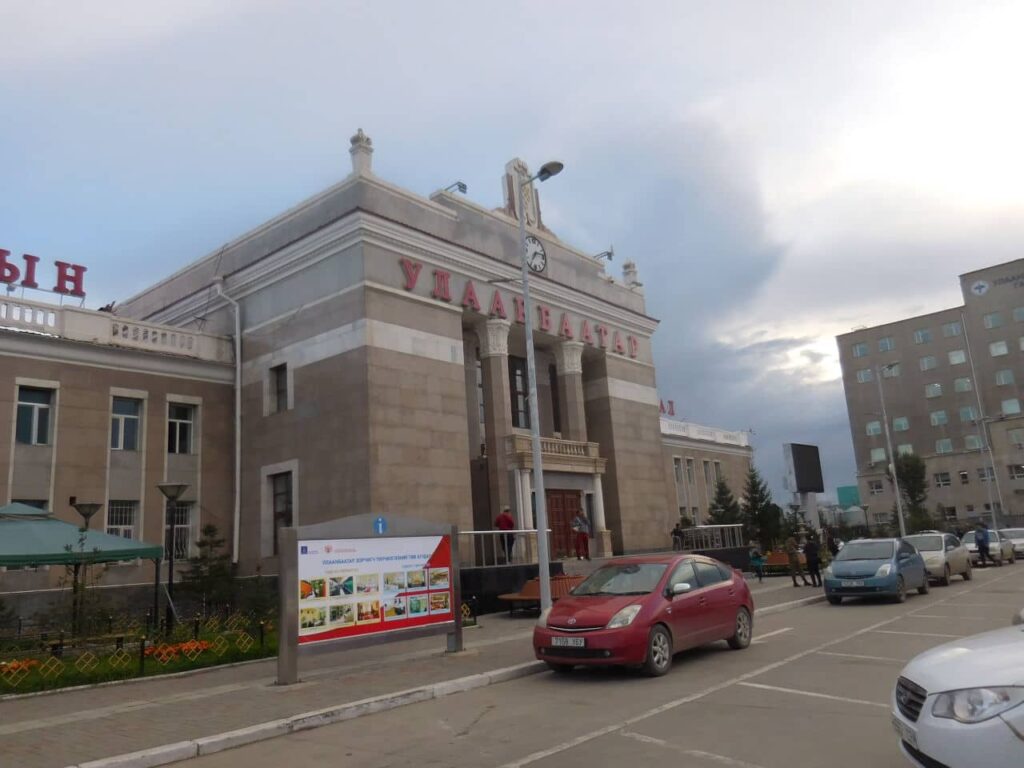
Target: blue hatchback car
{"x":875,"y":568}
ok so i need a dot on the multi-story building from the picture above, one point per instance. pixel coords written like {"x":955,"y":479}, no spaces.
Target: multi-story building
{"x":951,"y":386}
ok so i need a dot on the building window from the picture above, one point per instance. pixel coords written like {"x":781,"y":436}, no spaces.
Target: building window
{"x":875,"y":487}
{"x":1004,"y":377}
{"x":922,"y":335}
{"x":124,"y":424}
{"x":968,"y":414}
{"x":865,"y":375}
{"x":1020,"y":343}
{"x":904,"y":449}
{"x":900,"y":424}
{"x":927,"y":362}
{"x":34,"y":406}
{"x":877,"y":455}
{"x":965,"y":477}
{"x":938,"y":418}
{"x":986,"y":474}
{"x":181,"y":528}
{"x":1018,"y":314}
{"x":121,"y":518}
{"x":179,"y":427}
{"x":969,"y":509}
{"x":860,"y":350}
{"x":942,"y":480}
{"x":948,"y":514}
{"x":891,"y":371}
{"x":1011,"y":406}
{"x":279,"y":385}
{"x":709,"y":482}
{"x":37,"y":503}
{"x":873,"y":428}
{"x":933,"y":390}
{"x":949,"y":330}
{"x":556,"y":409}
{"x":691,"y":472}
{"x":677,"y":467}
{"x":519,"y":385}
{"x":1016,"y":471}
{"x":962,"y":384}
{"x":1016,"y":437}
{"x":886,"y":344}
{"x":972,"y":443}
{"x":880,"y":518}
{"x":281,"y":500}
{"x":945,"y":445}
{"x":993,"y":320}
{"x":719,"y":477}
{"x":998,"y":349}
{"x":957,"y":357}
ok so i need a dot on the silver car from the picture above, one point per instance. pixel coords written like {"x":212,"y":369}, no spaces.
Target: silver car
{"x":1000,"y":548}
{"x":944,"y":555}
{"x":1016,"y":537}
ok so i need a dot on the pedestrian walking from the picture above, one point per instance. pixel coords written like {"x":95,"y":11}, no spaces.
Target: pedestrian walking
{"x":504,"y":522}
{"x":795,"y":568}
{"x":757,"y":560}
{"x":833,"y":545}
{"x":581,"y":528}
{"x":677,"y":538}
{"x":981,"y":539}
{"x":813,"y":554}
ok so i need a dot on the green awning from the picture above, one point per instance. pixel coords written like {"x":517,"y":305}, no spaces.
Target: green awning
{"x":30,"y":536}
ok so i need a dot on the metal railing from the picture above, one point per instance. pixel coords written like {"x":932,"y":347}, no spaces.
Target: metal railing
{"x":702,"y":537}
{"x":478,"y":549}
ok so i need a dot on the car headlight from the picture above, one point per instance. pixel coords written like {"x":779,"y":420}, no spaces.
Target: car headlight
{"x":885,"y":570}
{"x":827,"y":573}
{"x":975,"y":705}
{"x":542,"y":620}
{"x":624,"y":617}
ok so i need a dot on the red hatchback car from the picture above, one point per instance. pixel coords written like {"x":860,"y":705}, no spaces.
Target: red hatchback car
{"x":642,"y":610}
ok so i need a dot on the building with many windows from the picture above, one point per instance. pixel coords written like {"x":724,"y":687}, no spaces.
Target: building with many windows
{"x":696,"y":458}
{"x":951,"y":386}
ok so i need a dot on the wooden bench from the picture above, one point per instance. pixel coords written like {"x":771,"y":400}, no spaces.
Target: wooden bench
{"x":528,"y":596}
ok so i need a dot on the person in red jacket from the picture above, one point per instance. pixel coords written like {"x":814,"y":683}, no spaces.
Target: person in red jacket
{"x":504,"y":522}
{"x":581,"y":527}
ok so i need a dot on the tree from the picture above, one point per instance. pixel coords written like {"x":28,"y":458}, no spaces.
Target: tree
{"x":912,"y":475}
{"x":210,"y":575}
{"x":724,"y":510}
{"x":762,"y":519}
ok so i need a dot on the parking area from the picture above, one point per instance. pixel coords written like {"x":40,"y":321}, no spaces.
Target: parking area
{"x":812,"y":690}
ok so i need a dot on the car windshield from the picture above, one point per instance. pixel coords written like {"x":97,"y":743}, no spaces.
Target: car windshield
{"x":624,"y":579}
{"x":926,"y":543}
{"x":866,"y":550}
{"x":1013,"y":533}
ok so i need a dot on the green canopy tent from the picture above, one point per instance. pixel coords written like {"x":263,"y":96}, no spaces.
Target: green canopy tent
{"x":32,"y":537}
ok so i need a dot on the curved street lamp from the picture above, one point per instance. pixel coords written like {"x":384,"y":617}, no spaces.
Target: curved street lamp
{"x":172,"y":492}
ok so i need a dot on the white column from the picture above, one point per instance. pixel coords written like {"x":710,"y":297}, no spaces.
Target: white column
{"x":599,"y":524}
{"x":518,"y":494}
{"x":524,"y":482}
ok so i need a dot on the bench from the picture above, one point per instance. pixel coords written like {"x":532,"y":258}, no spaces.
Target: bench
{"x":528,"y":596}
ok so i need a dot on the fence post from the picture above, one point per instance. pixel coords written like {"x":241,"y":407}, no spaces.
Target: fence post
{"x":142,"y":656}
{"x":20,"y":620}
{"x":263,"y":644}
{"x":110,"y":624}
{"x":195,"y":628}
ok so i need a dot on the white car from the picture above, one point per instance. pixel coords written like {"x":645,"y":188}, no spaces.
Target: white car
{"x":1016,"y":537}
{"x":999,"y":548}
{"x":962,"y":703}
{"x":944,"y":555}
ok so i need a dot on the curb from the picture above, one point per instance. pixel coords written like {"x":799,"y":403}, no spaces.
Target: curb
{"x":208,"y":745}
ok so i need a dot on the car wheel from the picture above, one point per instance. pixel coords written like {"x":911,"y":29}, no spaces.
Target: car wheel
{"x":659,"y":652}
{"x":835,"y":599}
{"x":999,"y":562}
{"x":901,"y":590}
{"x":925,"y":587}
{"x":946,"y":576}
{"x":969,"y":573}
{"x":1013,"y":558}
{"x":562,"y":669}
{"x":744,"y":631}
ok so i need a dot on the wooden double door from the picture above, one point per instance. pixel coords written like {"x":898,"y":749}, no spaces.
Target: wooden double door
{"x":562,"y":508}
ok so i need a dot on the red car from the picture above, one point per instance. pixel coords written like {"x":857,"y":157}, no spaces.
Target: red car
{"x":642,"y":610}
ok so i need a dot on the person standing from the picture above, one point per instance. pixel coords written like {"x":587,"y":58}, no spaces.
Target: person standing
{"x":581,"y":530}
{"x":504,"y":522}
{"x":981,"y":539}
{"x":833,"y":545}
{"x":757,"y":561}
{"x":677,"y":538}
{"x":813,"y":554}
{"x":795,"y":569}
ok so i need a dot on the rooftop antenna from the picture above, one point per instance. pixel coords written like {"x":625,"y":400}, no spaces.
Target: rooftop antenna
{"x":457,"y":186}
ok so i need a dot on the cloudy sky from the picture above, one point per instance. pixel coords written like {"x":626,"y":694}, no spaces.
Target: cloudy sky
{"x":781,"y":172}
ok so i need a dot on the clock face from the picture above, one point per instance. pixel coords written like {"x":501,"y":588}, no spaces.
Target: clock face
{"x":536,"y":257}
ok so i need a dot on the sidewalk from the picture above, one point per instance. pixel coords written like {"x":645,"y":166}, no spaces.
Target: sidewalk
{"x":71,"y":727}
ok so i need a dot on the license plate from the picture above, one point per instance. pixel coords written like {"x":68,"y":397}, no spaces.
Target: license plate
{"x":904,"y":731}
{"x":852,"y":583}
{"x":568,"y":642}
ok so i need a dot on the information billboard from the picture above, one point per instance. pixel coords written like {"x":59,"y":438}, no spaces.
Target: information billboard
{"x":355,"y":587}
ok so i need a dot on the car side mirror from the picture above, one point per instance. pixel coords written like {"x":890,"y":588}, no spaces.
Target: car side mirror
{"x":681,"y":588}
{"x":950,"y":548}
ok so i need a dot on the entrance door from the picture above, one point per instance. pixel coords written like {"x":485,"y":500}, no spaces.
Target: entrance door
{"x":562,"y":508}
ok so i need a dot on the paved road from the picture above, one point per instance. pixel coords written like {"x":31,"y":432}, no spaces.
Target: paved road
{"x":812,"y":691}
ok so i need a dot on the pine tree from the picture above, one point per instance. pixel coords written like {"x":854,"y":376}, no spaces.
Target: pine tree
{"x":913,"y":477}
{"x":762,"y":520}
{"x":725,"y":510}
{"x":210,"y":573}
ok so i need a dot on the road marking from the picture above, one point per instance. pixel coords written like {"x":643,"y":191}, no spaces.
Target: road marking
{"x":944,"y":616}
{"x":861,"y":656}
{"x":721,"y":759}
{"x":917,"y":634}
{"x":766,"y":635}
{"x":584,"y":738}
{"x":813,"y":694}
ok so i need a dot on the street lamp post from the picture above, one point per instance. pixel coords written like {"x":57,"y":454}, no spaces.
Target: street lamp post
{"x":78,"y":579}
{"x":543,"y":557}
{"x":172,"y":492}
{"x":888,"y":444}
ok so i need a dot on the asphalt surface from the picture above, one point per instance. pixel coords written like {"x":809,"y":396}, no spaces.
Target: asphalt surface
{"x":813,"y":690}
